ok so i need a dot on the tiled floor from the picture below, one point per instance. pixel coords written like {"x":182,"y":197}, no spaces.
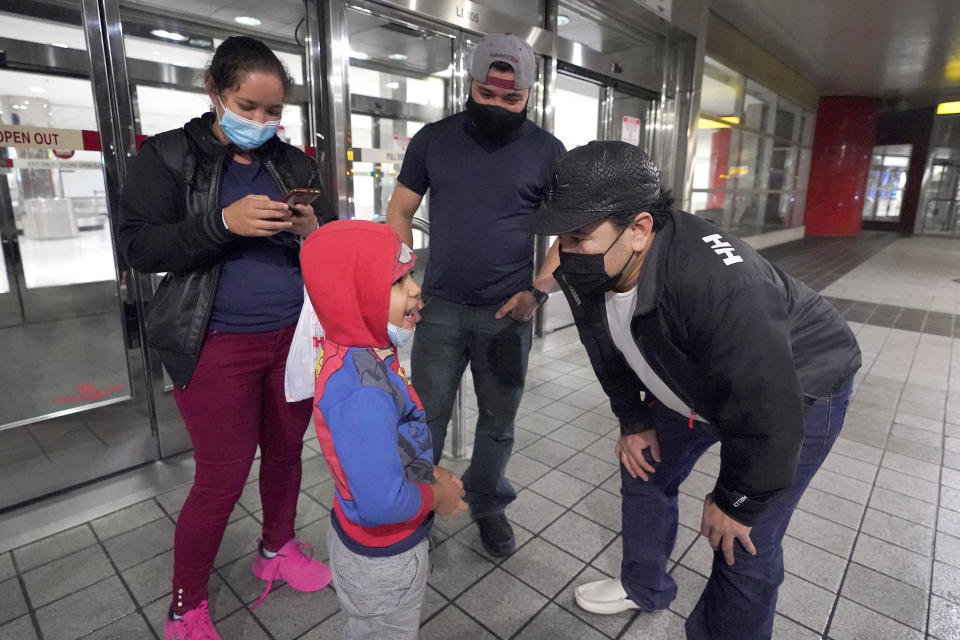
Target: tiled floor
{"x":872,"y":553}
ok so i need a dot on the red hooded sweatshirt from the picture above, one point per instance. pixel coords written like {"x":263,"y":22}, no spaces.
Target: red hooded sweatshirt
{"x":370,"y":422}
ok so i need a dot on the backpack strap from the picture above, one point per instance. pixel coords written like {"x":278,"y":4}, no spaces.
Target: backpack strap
{"x":173,"y":147}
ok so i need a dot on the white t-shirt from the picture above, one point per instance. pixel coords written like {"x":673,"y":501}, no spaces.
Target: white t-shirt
{"x":620,"y":308}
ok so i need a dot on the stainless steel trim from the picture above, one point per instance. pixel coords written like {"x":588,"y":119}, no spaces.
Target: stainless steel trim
{"x":476,"y":18}
{"x":542,"y":245}
{"x":337,"y":89}
{"x":31,"y":56}
{"x":313,"y":77}
{"x":689,"y":88}
{"x":388,"y":108}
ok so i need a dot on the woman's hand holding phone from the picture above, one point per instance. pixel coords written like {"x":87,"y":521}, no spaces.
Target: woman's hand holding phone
{"x":259,"y":216}
{"x":304,"y":220}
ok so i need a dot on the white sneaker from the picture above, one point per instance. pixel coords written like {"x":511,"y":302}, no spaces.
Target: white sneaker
{"x":604,"y":597}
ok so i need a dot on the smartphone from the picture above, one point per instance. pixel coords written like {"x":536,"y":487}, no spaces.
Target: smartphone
{"x":300,"y":196}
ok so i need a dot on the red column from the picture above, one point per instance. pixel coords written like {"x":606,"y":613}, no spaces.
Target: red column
{"x":719,"y":167}
{"x":839,"y":165}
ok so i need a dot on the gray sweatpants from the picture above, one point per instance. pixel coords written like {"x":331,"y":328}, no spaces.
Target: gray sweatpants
{"x":380,"y":597}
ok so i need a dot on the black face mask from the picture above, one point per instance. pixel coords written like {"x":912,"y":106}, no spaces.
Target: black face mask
{"x":582,"y":276}
{"x":494,"y":123}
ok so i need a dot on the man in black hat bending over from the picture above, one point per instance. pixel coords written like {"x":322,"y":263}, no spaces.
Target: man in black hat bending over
{"x":696,"y":339}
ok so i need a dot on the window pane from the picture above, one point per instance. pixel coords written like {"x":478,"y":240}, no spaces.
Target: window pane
{"x":807,"y":129}
{"x":576,"y":112}
{"x":758,"y":106}
{"x":788,"y":120}
{"x":721,"y":89}
{"x":524,"y":11}
{"x":753,"y":168}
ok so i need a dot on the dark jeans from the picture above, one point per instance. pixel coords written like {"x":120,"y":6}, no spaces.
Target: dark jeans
{"x":448,"y":337}
{"x":739,"y":601}
{"x":234,"y":402}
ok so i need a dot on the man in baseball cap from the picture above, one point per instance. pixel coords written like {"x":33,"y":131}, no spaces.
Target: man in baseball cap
{"x":697,"y":340}
{"x":486,"y":169}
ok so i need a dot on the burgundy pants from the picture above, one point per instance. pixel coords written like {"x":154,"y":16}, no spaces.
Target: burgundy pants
{"x":234,"y":402}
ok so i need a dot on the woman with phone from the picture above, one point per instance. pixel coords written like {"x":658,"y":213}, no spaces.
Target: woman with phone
{"x":205,"y":204}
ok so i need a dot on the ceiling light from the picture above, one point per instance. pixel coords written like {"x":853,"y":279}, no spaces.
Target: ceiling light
{"x":392,"y":85}
{"x":397,"y":56}
{"x":562,"y":20}
{"x":359,"y":55}
{"x":169,"y":35}
{"x":947,"y":108}
{"x":61,"y":45}
{"x":38,"y":89}
{"x":247,"y":20}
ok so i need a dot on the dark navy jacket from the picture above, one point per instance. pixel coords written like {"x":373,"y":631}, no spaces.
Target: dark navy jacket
{"x":738,"y":341}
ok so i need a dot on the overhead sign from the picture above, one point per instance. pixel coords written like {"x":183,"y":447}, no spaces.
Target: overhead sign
{"x":375,"y":155}
{"x":39,"y":163}
{"x":40,"y":137}
{"x":57,"y":140}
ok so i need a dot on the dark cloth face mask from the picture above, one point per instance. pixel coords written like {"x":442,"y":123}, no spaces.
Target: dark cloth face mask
{"x":494,"y":123}
{"x":583,"y":276}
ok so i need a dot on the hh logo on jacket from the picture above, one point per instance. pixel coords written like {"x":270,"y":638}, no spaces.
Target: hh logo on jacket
{"x":720,"y":247}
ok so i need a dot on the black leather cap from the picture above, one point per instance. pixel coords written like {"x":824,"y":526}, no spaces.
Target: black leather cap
{"x":594,"y":181}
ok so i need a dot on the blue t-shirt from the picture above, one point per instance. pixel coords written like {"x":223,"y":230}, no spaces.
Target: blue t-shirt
{"x":481,"y":194}
{"x":261,"y":288}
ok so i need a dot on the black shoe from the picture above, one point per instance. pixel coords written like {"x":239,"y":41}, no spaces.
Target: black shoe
{"x":496,"y":534}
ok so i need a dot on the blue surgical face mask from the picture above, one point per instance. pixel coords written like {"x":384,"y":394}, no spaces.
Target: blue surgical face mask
{"x":399,"y":336}
{"x":246,"y":134}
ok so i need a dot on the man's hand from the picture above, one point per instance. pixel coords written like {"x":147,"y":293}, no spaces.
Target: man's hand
{"x":721,"y":530}
{"x":520,"y":307}
{"x":630,"y":449}
{"x":304,"y":220}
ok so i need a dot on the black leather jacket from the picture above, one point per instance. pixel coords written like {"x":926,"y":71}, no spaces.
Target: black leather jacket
{"x":738,"y":341}
{"x":171,"y":220}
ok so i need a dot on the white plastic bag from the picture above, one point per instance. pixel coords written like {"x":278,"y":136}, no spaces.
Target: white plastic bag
{"x":299,"y":377}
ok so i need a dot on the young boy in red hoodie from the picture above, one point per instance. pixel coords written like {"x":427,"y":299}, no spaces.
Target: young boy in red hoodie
{"x":372,"y":428}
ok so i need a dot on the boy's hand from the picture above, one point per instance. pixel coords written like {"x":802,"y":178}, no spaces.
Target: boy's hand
{"x":447,"y":494}
{"x":438,"y":471}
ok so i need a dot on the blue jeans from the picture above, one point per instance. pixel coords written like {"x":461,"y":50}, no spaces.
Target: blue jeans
{"x":448,"y":337}
{"x":739,"y":601}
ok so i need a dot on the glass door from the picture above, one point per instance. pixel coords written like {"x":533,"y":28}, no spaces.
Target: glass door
{"x":400,"y":79}
{"x":941,"y":194}
{"x":166,"y":59}
{"x":73,"y":405}
{"x":885,"y":183}
{"x":588,"y":109}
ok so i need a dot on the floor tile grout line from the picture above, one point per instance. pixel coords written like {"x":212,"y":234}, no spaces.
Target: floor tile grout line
{"x":587,"y":563}
{"x":856,"y":539}
{"x":936,"y":513}
{"x":26,"y":597}
{"x":119,"y":575}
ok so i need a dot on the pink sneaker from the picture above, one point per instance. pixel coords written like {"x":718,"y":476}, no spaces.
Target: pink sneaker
{"x":300,"y":571}
{"x":194,"y":625}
